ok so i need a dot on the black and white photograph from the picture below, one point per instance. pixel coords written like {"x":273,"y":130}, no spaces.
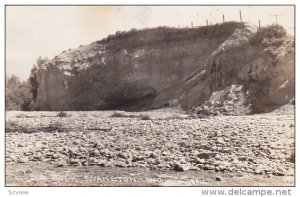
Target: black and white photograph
{"x":149,"y":95}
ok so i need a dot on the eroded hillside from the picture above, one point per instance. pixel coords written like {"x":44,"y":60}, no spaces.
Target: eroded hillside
{"x":154,"y":68}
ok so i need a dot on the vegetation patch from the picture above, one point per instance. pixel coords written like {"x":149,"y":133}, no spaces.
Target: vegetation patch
{"x":62,"y":114}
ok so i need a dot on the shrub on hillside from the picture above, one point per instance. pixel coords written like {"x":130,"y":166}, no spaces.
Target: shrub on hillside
{"x":268,"y":32}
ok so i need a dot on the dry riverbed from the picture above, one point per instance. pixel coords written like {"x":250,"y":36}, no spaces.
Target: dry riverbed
{"x":155,"y":148}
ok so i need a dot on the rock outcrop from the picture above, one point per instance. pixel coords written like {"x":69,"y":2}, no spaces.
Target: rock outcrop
{"x":151,"y":68}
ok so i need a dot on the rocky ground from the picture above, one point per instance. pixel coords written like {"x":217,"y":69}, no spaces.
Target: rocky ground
{"x":174,"y":147}
{"x":230,"y":101}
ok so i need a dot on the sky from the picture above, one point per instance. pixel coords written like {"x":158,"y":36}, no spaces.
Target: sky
{"x":46,"y":31}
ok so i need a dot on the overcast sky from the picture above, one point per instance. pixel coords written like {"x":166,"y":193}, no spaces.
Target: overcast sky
{"x":33,"y":31}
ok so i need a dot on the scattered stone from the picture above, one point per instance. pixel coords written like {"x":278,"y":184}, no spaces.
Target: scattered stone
{"x":121,"y":164}
{"x":101,"y":162}
{"x":105,"y":152}
{"x":242,"y":158}
{"x":137,"y":158}
{"x":218,"y":157}
{"x":38,"y":156}
{"x":181,"y":167}
{"x":61,"y":164}
{"x":292,"y":157}
{"x":201,"y":161}
{"x":20,"y":145}
{"x":122,"y":155}
{"x":279,"y":172}
{"x":205,"y":167}
{"x":270,"y":175}
{"x":207,"y":155}
{"x":54,"y":156}
{"x":221,"y":141}
{"x":23,"y":160}
{"x":76,"y":142}
{"x":257,"y":171}
{"x":218,"y":179}
{"x":75,"y":162}
{"x":96,"y":152}
{"x":150,"y":154}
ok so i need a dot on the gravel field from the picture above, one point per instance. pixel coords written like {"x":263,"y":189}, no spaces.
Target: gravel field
{"x":221,"y":150}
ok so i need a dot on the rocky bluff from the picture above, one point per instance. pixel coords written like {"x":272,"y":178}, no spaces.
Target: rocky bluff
{"x":158,"y":67}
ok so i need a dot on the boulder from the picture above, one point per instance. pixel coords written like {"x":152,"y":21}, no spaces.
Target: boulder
{"x":181,"y":167}
{"x":207,"y":155}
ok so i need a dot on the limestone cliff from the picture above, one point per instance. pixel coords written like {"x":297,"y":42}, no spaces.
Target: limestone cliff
{"x":151,"y":68}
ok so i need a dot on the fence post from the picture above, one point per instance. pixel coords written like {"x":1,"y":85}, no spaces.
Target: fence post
{"x":241,"y":16}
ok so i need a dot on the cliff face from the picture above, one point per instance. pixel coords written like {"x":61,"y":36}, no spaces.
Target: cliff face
{"x":151,"y":68}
